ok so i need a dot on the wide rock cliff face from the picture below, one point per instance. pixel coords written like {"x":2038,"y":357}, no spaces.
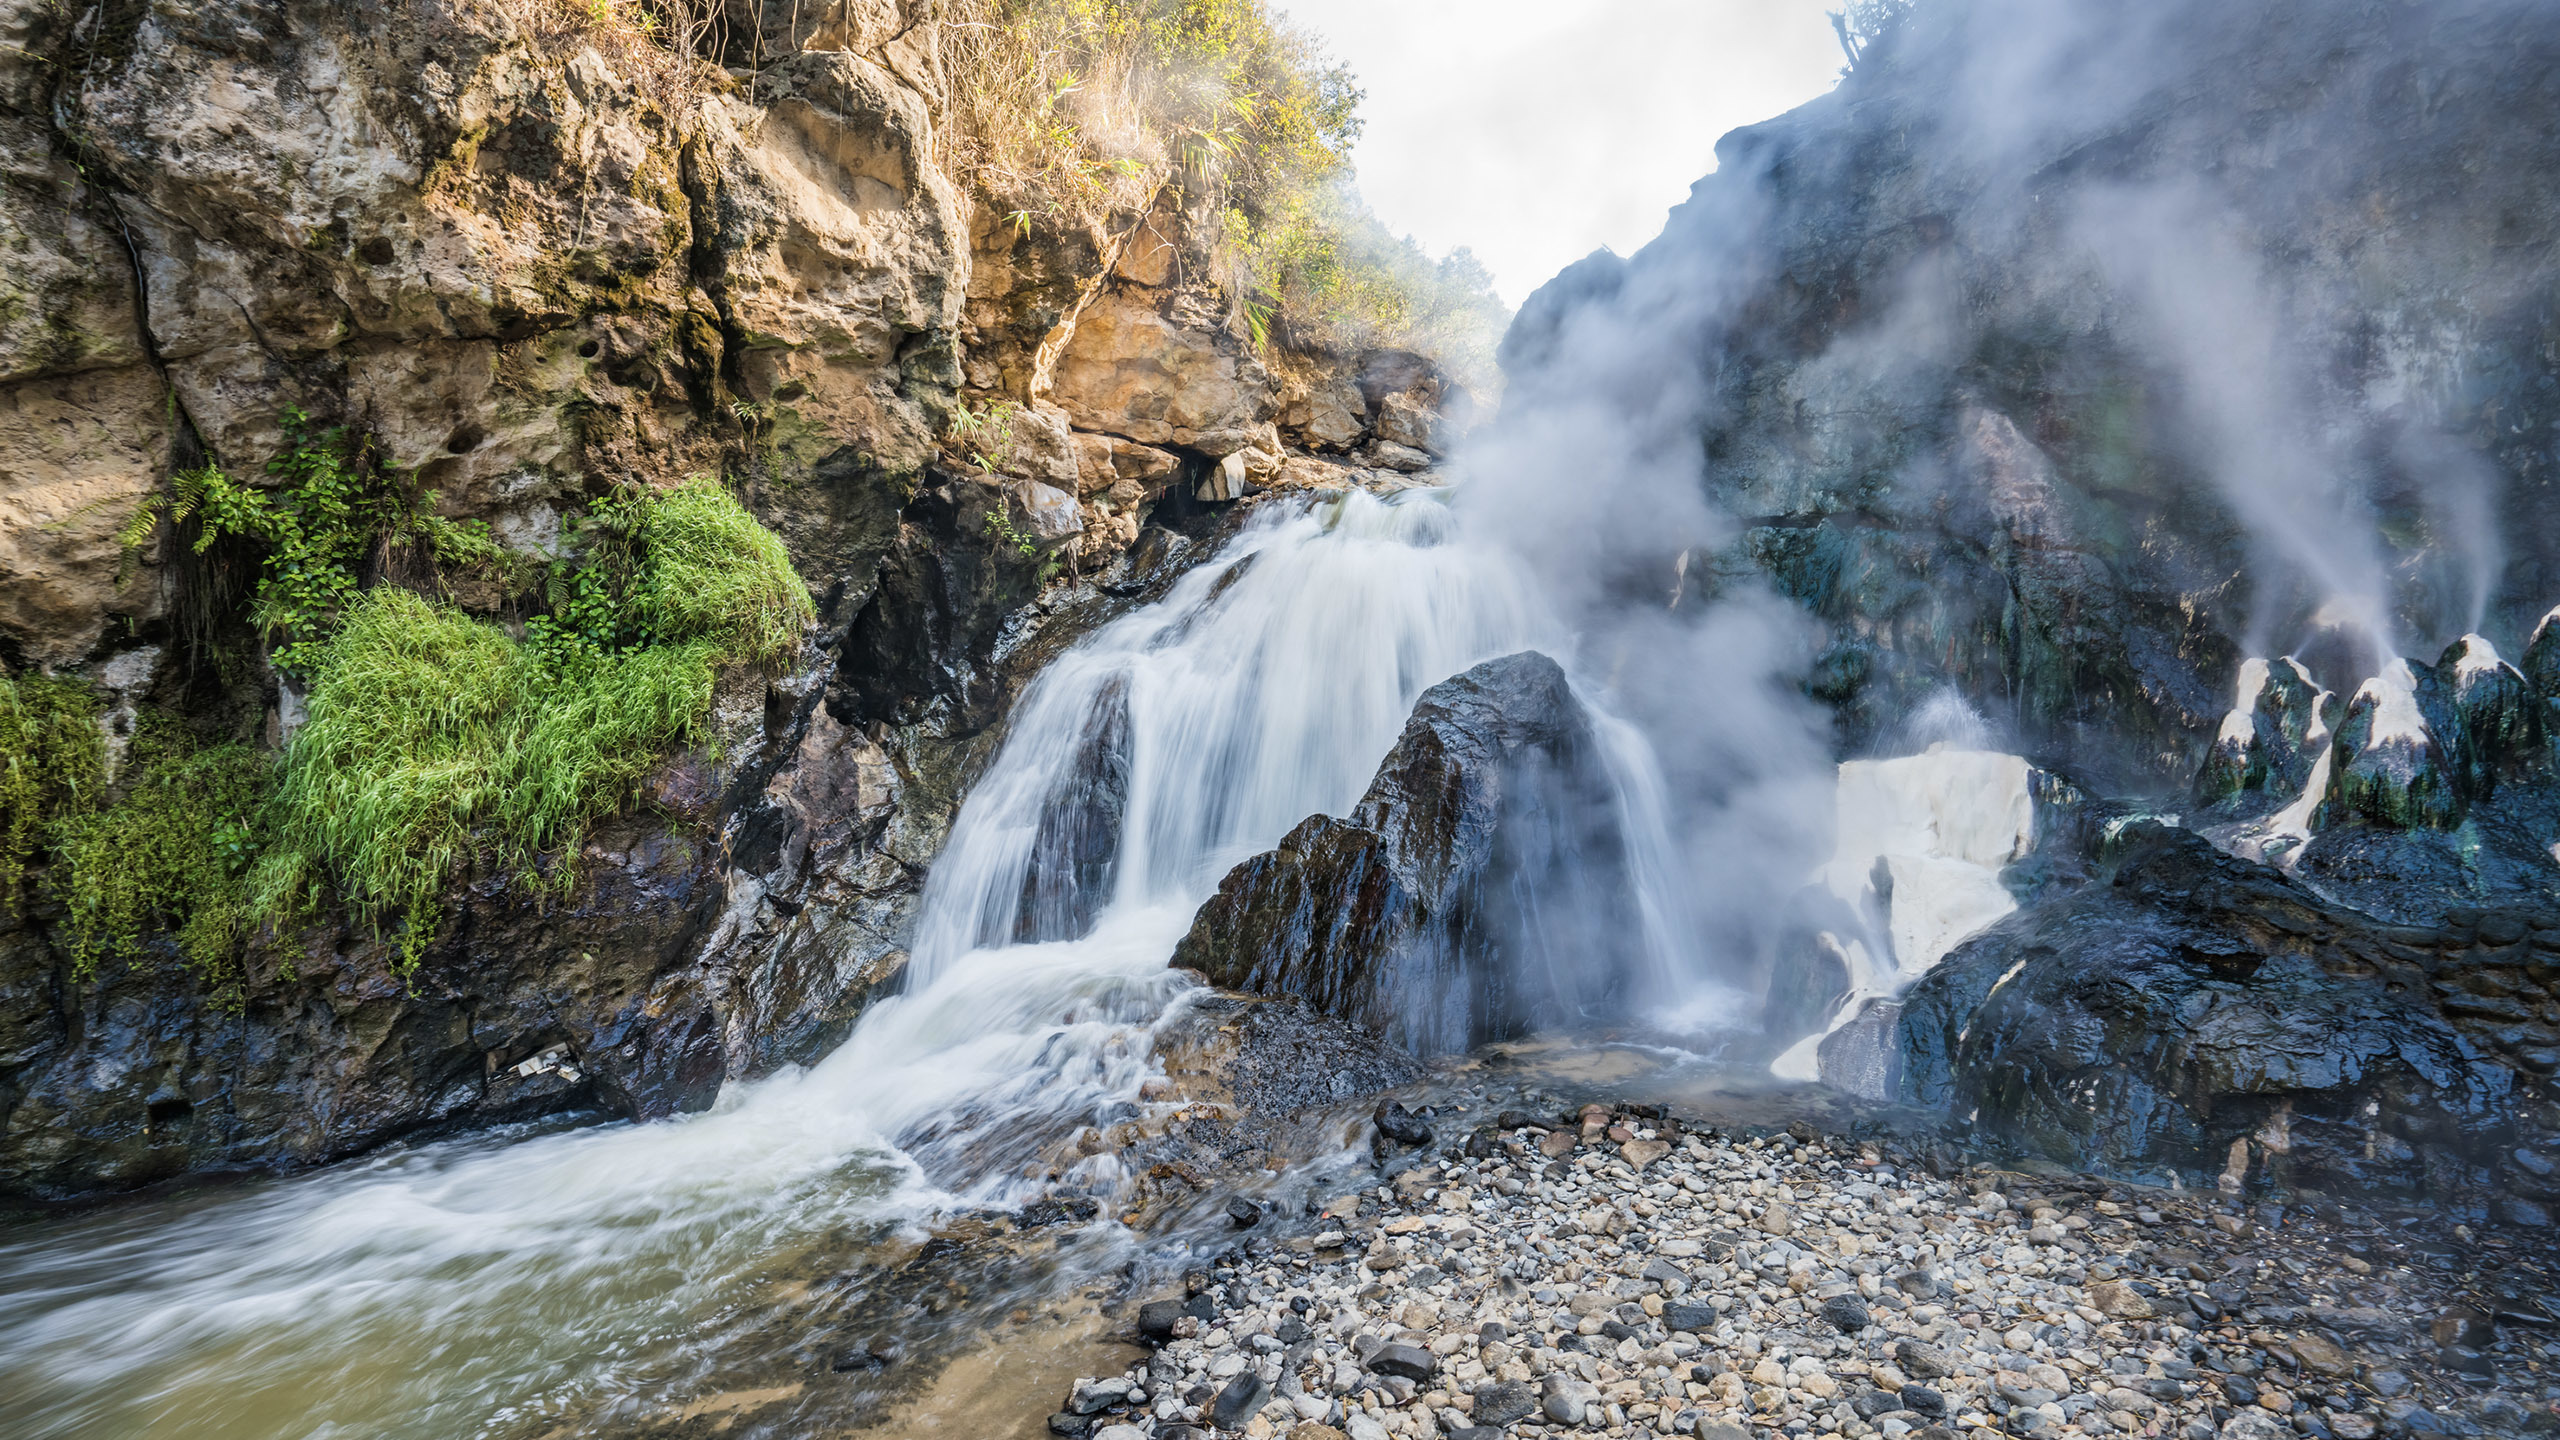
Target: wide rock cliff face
{"x":2174,"y":386}
{"x":531,"y":260}
{"x":1479,"y":890}
{"x":2069,"y":354}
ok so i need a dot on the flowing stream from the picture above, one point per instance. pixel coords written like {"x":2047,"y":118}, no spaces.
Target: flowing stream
{"x":487,"y":1286}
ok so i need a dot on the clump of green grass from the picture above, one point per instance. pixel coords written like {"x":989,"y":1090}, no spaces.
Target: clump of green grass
{"x":52,"y":763}
{"x":436,"y":740}
{"x":169,"y":856}
{"x":708,"y":572}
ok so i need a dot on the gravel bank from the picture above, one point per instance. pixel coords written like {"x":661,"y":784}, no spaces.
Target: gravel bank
{"x":1618,"y":1273}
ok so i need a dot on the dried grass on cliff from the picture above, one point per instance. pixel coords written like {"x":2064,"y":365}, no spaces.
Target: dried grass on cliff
{"x":1080,"y":107}
{"x":1076,"y":109}
{"x":669,"y":49}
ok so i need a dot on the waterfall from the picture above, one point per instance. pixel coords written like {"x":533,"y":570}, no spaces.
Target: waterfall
{"x":425,"y":1291}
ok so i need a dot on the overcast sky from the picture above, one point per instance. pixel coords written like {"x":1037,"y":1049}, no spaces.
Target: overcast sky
{"x":1535,"y":131}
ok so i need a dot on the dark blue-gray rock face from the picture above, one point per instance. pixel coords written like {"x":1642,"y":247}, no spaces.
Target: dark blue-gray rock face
{"x":1478,"y":891}
{"x":1970,"y":403}
{"x":2197,"y":1002}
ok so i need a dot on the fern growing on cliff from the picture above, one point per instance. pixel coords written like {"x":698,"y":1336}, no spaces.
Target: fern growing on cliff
{"x":333,"y":514}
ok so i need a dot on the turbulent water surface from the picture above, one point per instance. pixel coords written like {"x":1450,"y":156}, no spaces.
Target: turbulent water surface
{"x":481,"y":1286}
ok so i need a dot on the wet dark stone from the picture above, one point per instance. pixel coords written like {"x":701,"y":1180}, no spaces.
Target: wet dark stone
{"x":1661,"y":1272}
{"x":1410,"y":1361}
{"x":2525,"y":1214}
{"x":870,"y":1357}
{"x":2241,"y":1389}
{"x":1067,"y":1422}
{"x":2467,"y":1360}
{"x":1243,"y":1213}
{"x":1400,"y":1125}
{"x":1157,"y":1318}
{"x":1476,"y":892}
{"x":1845,"y":1314}
{"x":2110,"y":1046}
{"x":1683,"y":1315}
{"x":1503,"y":1402}
{"x":1240,"y":1400}
{"x":1058,"y":1211}
{"x":1076,"y":852}
{"x":2463,"y":1325}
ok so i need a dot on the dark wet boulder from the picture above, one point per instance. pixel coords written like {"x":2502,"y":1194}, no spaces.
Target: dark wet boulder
{"x":1504,"y":1402}
{"x":1157,"y":1320}
{"x":1863,"y":1057}
{"x":2202,"y":1014}
{"x":1479,"y":889}
{"x":1846,"y":1314}
{"x":1410,"y":1361}
{"x":1400,"y":1125}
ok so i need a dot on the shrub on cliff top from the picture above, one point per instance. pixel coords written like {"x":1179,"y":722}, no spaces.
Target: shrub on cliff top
{"x":1082,"y":106}
{"x":1335,"y":278}
{"x":1079,"y":107}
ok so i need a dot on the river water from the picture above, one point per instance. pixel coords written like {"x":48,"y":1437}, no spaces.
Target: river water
{"x":496,"y":1285}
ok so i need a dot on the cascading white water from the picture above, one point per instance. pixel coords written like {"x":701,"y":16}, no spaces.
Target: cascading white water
{"x":471,"y":1286}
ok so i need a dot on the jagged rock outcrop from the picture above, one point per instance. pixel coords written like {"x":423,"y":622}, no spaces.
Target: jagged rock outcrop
{"x":2400,"y":758}
{"x":1478,"y":891}
{"x":2200,"y":1013}
{"x":2271,"y":740}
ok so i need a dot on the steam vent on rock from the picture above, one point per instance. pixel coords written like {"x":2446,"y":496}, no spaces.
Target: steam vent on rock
{"x":1015,"y":718}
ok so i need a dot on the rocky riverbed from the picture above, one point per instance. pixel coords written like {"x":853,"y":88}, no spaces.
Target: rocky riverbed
{"x":1520,"y":1265}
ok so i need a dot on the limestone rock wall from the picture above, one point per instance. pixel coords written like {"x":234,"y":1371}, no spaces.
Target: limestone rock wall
{"x":532,"y":261}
